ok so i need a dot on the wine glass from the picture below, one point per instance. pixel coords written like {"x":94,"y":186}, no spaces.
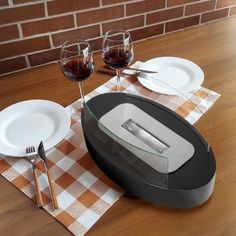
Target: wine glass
{"x":117,"y":51}
{"x":76,"y":62}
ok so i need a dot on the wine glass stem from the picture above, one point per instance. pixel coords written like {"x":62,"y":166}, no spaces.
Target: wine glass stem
{"x":118,"y":80}
{"x":81,"y":90}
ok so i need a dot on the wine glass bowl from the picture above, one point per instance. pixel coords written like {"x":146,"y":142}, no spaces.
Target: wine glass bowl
{"x":77,"y":70}
{"x":117,"y":50}
{"x":76,"y":62}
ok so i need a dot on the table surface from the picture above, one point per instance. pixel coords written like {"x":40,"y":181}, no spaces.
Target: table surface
{"x":213,"y":48}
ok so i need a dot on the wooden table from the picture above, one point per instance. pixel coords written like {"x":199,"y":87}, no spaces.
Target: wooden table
{"x":213,"y":47}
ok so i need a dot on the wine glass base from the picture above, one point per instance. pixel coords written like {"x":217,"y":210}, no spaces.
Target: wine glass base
{"x":76,"y":109}
{"x":119,"y":89}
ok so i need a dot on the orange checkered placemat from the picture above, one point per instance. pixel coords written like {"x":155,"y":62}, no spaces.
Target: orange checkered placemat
{"x":84,"y":193}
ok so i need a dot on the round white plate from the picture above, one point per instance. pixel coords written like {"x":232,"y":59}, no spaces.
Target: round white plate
{"x":29,"y":122}
{"x":175,"y":75}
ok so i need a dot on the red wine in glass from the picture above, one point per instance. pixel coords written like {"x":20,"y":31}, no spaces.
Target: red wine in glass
{"x":118,"y":57}
{"x":77,"y":63}
{"x":77,"y":70}
{"x":117,"y":51}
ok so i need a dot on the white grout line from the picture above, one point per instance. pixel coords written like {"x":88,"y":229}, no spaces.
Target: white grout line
{"x":75,"y":21}
{"x":21,"y":36}
{"x":200,"y":18}
{"x":46,"y":9}
{"x":51,"y":41}
{"x":184,"y":11}
{"x":27,"y":61}
{"x":125,"y":10}
{"x":215,"y":4}
{"x":164,"y":28}
{"x":101,"y":29}
{"x":10,"y":2}
{"x":25,"y":4}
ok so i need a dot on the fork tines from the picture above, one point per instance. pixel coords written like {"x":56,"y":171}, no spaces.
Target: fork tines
{"x":30,"y":150}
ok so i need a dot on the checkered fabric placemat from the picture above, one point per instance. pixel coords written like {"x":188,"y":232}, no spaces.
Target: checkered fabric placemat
{"x":84,"y":193}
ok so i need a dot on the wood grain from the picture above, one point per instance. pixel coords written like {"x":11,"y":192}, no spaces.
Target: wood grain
{"x":52,"y":190}
{"x":37,"y":189}
{"x":213,"y":48}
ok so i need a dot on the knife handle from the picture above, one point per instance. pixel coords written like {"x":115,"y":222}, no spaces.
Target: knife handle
{"x":53,"y":193}
{"x":107,"y":71}
{"x":113,"y":72}
{"x":37,"y":190}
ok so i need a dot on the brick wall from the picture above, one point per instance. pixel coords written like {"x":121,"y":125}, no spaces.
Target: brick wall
{"x":32,"y":31}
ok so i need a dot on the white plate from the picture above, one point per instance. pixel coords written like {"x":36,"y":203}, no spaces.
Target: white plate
{"x":175,"y":75}
{"x":27,"y":123}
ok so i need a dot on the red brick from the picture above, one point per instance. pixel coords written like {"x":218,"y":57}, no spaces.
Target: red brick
{"x":22,"y":1}
{"x":144,"y":6}
{"x":214,"y":15}
{"x":165,"y":15}
{"x":126,"y":24}
{"x":182,"y":23}
{"x":48,"y":25}
{"x":233,"y":11}
{"x":3,"y":2}
{"x":23,"y":46}
{"x":107,"y":2}
{"x":9,"y":32}
{"x":171,"y":3}
{"x":61,"y":6}
{"x":99,"y":15}
{"x":199,"y":7}
{"x":21,"y":13}
{"x":147,"y":32}
{"x":11,"y":65}
{"x":225,"y":3}
{"x":82,"y":33}
{"x":96,"y":44}
{"x":44,"y":57}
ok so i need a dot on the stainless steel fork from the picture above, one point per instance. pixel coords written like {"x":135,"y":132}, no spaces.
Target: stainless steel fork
{"x":31,"y":155}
